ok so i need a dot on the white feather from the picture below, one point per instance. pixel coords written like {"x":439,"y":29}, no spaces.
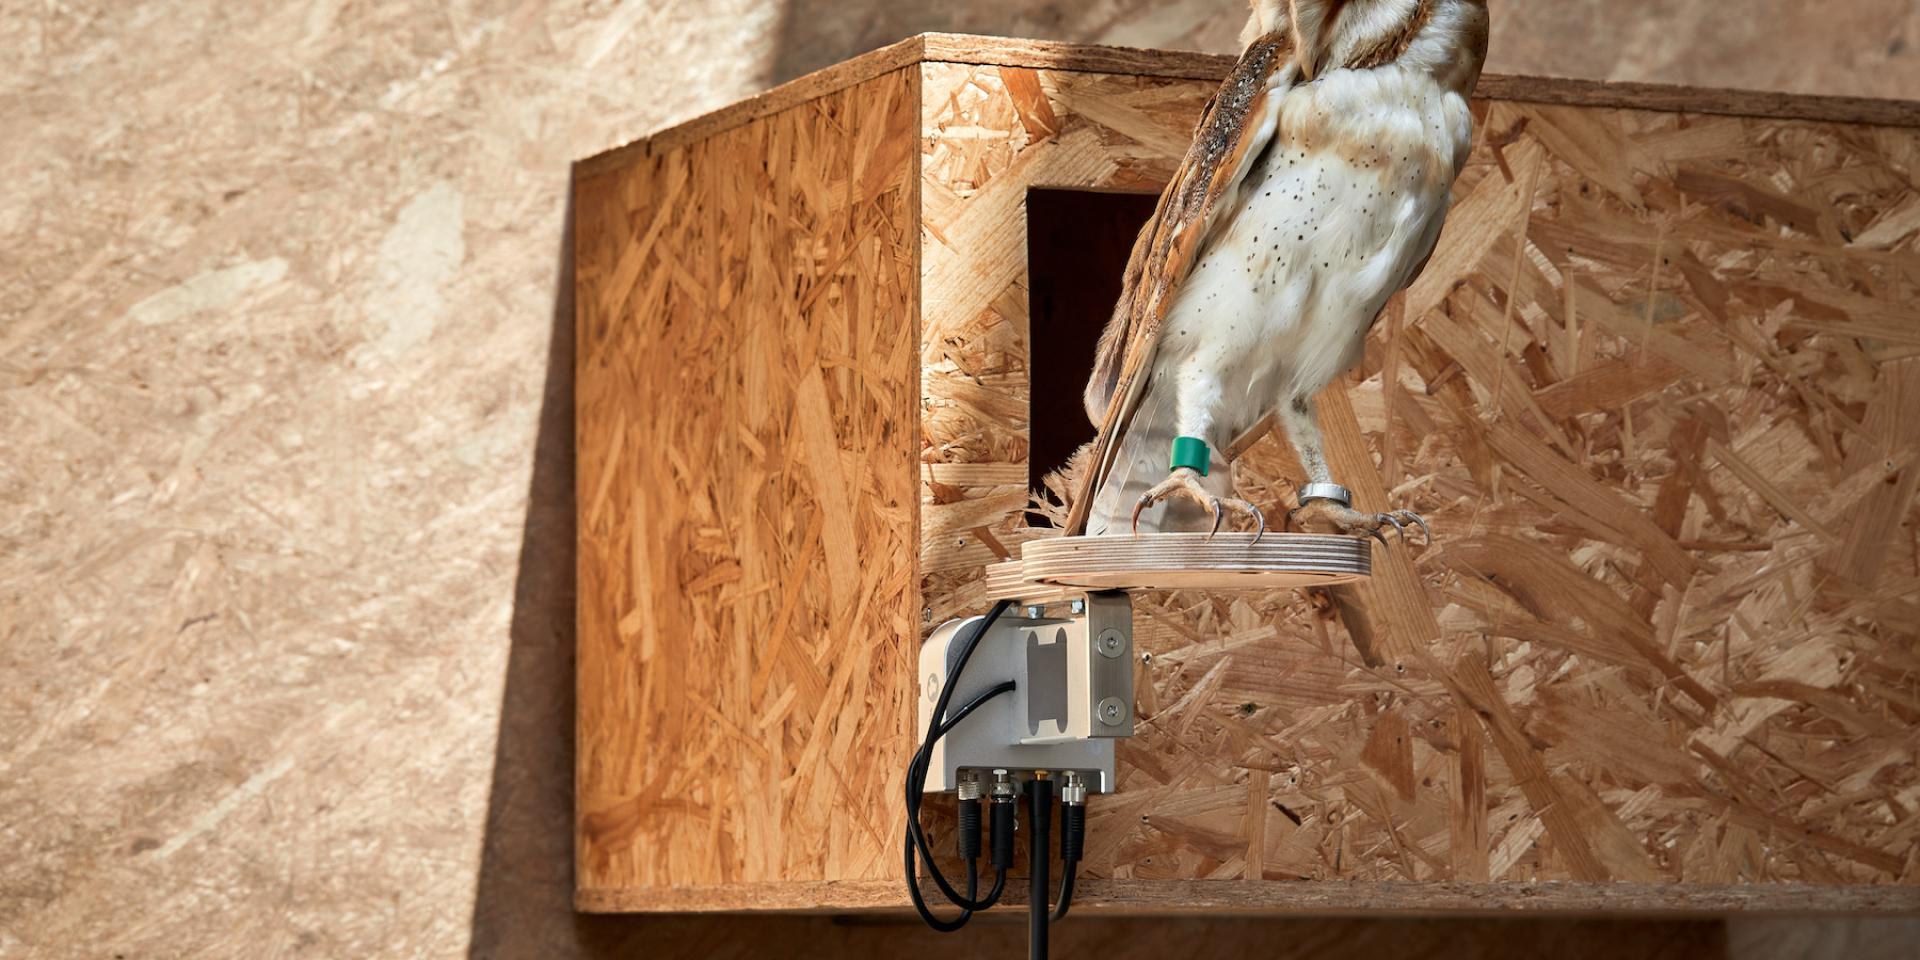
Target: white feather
{"x":1330,"y":223}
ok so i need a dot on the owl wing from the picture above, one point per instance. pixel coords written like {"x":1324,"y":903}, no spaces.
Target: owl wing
{"x":1235,"y":127}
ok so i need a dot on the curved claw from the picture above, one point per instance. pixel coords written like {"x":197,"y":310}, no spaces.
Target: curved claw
{"x":1389,"y":519}
{"x":1426,"y":531}
{"x":1218,"y":511}
{"x":1145,"y":501}
{"x":1377,"y":535}
{"x":1260,"y":519}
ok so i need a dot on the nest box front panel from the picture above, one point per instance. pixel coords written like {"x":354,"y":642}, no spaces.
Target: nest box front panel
{"x":1643,"y":394}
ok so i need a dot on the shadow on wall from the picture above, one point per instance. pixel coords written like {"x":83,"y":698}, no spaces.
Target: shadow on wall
{"x":522,"y":907}
{"x":819,"y":33}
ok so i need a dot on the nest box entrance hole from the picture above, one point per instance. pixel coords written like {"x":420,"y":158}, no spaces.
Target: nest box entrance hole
{"x":1078,"y":242}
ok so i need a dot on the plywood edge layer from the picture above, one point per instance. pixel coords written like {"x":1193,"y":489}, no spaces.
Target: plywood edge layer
{"x":825,"y":896}
{"x":1717,"y":101}
{"x":1186,"y":64}
{"x":1122,"y":897}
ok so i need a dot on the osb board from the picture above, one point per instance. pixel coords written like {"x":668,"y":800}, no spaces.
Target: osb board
{"x":1656,"y":394}
{"x":988,"y":135}
{"x":1182,"y":64}
{"x":1120,"y":898}
{"x":747,"y":388}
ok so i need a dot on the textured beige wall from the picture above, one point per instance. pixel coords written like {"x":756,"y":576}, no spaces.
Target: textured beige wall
{"x":284,"y":470}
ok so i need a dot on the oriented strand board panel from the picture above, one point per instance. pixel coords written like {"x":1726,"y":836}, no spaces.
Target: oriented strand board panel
{"x":1656,"y":393}
{"x":746,"y":397}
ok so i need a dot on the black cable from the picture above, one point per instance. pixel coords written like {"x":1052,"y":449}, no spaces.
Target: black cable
{"x":920,"y":903}
{"x":1003,"y":816}
{"x":1005,"y":686}
{"x":915,"y":847}
{"x":1065,"y":899}
{"x":1039,"y":820}
{"x":968,"y":836}
{"x":916,"y":786}
{"x":1073,"y":838}
{"x":916,"y":843}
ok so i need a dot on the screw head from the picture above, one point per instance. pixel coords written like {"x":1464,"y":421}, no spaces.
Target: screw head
{"x":933,"y":686}
{"x":1112,"y":711}
{"x":1078,"y":606}
{"x":1111,"y":643}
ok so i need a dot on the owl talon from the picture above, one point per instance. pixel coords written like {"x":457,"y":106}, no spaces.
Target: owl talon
{"x":1409,"y":516}
{"x":1388,"y":519}
{"x":1352,"y":522}
{"x":1184,"y":484}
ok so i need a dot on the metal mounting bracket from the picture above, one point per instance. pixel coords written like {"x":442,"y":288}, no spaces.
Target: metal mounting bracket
{"x":1071,"y":660}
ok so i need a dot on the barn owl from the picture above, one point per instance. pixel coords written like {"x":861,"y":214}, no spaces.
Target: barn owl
{"x":1314,"y":191}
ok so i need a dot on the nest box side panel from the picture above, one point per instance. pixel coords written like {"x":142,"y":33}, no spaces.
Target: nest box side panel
{"x":1656,"y":391}
{"x":747,"y":399}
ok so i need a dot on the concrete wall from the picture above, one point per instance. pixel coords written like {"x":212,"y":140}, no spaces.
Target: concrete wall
{"x":285,"y":474}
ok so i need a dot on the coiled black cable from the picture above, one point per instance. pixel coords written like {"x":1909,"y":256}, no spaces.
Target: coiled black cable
{"x":916,"y":783}
{"x":915,"y":847}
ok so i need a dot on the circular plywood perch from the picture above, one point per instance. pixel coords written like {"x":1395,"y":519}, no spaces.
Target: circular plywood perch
{"x":1193,"y":561}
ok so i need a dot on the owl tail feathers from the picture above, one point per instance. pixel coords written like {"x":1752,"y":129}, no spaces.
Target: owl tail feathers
{"x":1266,"y":17}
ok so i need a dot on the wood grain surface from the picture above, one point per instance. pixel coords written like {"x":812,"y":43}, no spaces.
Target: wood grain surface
{"x":1650,"y":393}
{"x":286,"y":508}
{"x":745,"y":395}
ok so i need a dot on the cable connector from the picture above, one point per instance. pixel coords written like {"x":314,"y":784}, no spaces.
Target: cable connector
{"x":1003,"y":786}
{"x":1003,"y":820}
{"x":1073,"y":838}
{"x":968,"y":836}
{"x":1073,"y":790}
{"x":969,"y":787}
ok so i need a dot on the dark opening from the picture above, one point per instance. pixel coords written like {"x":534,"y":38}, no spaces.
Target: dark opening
{"x":1077,"y":247}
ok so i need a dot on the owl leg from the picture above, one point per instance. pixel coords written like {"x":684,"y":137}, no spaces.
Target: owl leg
{"x":1324,"y":501}
{"x":1193,"y":474}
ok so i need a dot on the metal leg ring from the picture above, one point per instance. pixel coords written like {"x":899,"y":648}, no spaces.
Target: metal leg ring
{"x":1327,"y":491}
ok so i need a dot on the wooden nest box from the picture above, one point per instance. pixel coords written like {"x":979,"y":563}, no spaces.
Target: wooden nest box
{"x":1658,"y":392}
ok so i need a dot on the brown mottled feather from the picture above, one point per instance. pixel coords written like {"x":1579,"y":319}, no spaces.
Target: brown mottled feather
{"x":1167,"y":248}
{"x":1390,"y":48}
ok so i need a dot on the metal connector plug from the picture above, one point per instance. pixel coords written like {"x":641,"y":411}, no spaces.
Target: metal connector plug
{"x":1073,"y":790}
{"x":1003,"y":787}
{"x":969,"y":787}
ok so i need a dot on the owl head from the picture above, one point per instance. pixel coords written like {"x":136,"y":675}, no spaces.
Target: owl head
{"x":1445,"y":36}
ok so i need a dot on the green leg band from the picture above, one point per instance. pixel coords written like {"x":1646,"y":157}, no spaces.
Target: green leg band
{"x":1191,"y":452}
